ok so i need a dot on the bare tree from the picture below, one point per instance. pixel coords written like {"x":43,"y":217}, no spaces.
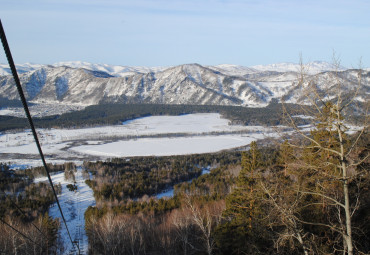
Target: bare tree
{"x":135,"y":236}
{"x":107,"y":233}
{"x":182,"y":223}
{"x":283,"y":211}
{"x":205,"y":219}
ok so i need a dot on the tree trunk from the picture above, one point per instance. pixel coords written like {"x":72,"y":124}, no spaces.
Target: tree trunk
{"x":347,"y":209}
{"x":348,"y":236}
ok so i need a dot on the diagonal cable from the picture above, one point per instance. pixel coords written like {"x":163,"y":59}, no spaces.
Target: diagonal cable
{"x":24,"y":214}
{"x":25,"y":106}
{"x":19,"y":232}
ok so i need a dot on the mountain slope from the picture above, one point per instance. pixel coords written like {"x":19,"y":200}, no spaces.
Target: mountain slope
{"x":21,"y":68}
{"x":118,"y":71}
{"x":184,"y":84}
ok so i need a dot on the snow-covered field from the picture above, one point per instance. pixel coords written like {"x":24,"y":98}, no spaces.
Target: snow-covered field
{"x":156,"y":135}
{"x":41,"y":110}
{"x":168,"y":146}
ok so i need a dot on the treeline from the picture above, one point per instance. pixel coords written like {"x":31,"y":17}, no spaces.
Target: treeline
{"x":24,"y":206}
{"x":39,"y":171}
{"x":113,"y":114}
{"x":11,"y":180}
{"x":147,"y":206}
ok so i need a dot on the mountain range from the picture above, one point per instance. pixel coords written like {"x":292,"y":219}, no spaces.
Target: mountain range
{"x":81,"y":83}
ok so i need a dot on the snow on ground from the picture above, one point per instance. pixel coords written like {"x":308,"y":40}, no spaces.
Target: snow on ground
{"x":131,"y":138}
{"x":189,"y":123}
{"x":303,"y":117}
{"x":168,"y":146}
{"x":74,"y":205}
{"x":149,"y":136}
{"x":41,"y":110}
{"x":167,"y":193}
{"x":353,"y":129}
{"x":31,"y":148}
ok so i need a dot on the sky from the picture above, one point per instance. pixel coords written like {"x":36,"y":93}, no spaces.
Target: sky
{"x":174,"y":32}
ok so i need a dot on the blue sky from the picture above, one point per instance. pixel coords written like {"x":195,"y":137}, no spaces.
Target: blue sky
{"x":173,"y":32}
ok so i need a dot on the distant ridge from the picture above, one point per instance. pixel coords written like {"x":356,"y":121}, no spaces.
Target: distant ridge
{"x":121,"y":71}
{"x":81,"y":83}
{"x":311,"y":68}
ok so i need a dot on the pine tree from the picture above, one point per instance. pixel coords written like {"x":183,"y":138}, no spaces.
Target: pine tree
{"x":285,"y":156}
{"x":244,"y":230}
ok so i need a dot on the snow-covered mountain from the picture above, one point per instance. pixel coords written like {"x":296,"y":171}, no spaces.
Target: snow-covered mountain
{"x":114,"y":70}
{"x":229,"y":69}
{"x":118,"y":71}
{"x":310,"y":68}
{"x":81,"y":83}
{"x":21,"y":68}
{"x":233,"y":70}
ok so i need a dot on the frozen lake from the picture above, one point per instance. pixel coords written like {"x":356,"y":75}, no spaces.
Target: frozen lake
{"x":155,"y":135}
{"x":167,"y":146}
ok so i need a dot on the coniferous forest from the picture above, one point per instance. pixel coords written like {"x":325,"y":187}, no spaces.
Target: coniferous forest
{"x":115,"y":114}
